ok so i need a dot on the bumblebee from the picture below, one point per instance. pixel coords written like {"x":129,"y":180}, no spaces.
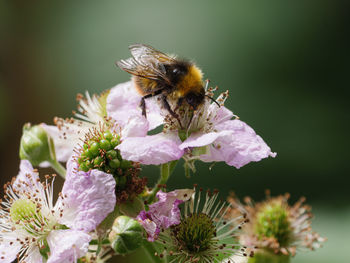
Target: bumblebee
{"x":155,"y":73}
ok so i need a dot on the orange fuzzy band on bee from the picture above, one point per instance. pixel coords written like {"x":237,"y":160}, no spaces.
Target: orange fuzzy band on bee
{"x":191,"y":82}
{"x":144,"y":86}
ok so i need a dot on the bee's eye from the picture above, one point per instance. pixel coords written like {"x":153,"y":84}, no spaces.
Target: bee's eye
{"x":190,"y":99}
{"x":176,"y":71}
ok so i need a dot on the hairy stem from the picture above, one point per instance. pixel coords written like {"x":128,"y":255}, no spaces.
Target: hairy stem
{"x":58,"y":168}
{"x":166,"y":170}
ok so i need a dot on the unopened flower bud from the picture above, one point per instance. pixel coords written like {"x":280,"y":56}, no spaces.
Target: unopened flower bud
{"x":126,"y":235}
{"x":36,"y":146}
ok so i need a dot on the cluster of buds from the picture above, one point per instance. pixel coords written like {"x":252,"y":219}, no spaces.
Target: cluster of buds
{"x":99,"y":152}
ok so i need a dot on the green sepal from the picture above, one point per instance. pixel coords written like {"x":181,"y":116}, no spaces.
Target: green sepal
{"x":107,"y":223}
{"x":126,"y":235}
{"x":132,"y":208}
{"x":44,"y":250}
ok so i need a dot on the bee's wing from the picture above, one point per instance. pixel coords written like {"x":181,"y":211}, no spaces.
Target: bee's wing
{"x":146,"y":62}
{"x":145,"y":53}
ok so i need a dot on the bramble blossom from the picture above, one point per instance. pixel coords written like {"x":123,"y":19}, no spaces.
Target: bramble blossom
{"x":277,"y":226}
{"x":211,"y":134}
{"x":199,"y":232}
{"x":34,"y":229}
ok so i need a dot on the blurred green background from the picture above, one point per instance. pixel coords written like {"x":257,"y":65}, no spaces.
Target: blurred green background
{"x":285,"y":63}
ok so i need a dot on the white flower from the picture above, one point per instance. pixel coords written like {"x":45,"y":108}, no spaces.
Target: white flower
{"x":33,"y":228}
{"x":70,"y":131}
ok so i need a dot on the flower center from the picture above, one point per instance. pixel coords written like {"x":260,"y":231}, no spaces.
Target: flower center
{"x":26,"y":215}
{"x":23,"y":210}
{"x":272,"y":221}
{"x":195,"y":233}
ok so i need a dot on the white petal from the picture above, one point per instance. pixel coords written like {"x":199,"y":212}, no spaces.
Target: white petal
{"x":8,"y":253}
{"x":33,"y":256}
{"x":27,"y":178}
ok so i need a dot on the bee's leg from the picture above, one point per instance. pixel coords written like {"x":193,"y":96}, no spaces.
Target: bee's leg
{"x":168,"y":108}
{"x":143,"y":101}
{"x":179,"y":103}
{"x":143,"y":106}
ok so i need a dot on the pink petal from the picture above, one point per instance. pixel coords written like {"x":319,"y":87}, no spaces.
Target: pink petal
{"x":67,"y":246}
{"x":164,"y":213}
{"x":123,"y":104}
{"x":137,"y":126}
{"x":221,"y":113}
{"x":150,"y":226}
{"x":242,"y":147}
{"x":202,"y":139}
{"x":153,"y":149}
{"x":88,"y":197}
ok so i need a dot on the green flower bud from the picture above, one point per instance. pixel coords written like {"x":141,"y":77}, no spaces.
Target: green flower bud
{"x":36,"y":146}
{"x":272,"y":222}
{"x":126,"y":235}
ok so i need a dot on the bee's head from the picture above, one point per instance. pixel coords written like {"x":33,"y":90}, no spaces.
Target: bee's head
{"x":194,"y":99}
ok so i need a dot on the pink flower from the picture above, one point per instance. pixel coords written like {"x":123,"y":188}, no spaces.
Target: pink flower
{"x":164,"y":213}
{"x":211,"y":136}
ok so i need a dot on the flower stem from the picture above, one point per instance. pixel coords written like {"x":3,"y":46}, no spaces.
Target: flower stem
{"x":166,"y":170}
{"x":264,"y":256}
{"x":150,"y":251}
{"x":58,"y":168}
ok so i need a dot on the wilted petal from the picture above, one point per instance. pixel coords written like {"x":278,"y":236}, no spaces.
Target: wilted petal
{"x":163,"y":213}
{"x":67,"y":246}
{"x":240,"y":148}
{"x":88,"y":197}
{"x":150,"y":226}
{"x":153,"y":149}
{"x":123,"y":104}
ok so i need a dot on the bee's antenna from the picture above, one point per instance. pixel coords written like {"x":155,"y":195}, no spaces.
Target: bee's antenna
{"x":213,"y":100}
